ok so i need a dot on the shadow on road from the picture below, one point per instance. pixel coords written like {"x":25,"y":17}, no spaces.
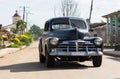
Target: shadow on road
{"x":36,"y":66}
{"x":114,"y":58}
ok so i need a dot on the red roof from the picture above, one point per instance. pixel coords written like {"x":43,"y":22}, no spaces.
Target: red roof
{"x":94,"y":25}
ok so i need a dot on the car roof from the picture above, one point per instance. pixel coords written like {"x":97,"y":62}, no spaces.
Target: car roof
{"x":65,"y":18}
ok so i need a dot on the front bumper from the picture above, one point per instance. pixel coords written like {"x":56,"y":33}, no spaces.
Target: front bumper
{"x":82,"y":53}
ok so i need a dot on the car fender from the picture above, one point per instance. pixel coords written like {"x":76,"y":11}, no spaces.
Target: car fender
{"x":47,"y":44}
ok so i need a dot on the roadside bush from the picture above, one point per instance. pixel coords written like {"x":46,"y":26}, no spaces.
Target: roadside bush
{"x":109,"y":47}
{"x":30,"y":35}
{"x":26,"y":38}
{"x":12,"y":45}
{"x":16,"y":40}
{"x":4,"y":37}
{"x":117,"y":47}
{"x":20,"y":40}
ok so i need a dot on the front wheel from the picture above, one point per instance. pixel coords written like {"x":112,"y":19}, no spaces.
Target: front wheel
{"x":49,"y":60}
{"x":97,"y":61}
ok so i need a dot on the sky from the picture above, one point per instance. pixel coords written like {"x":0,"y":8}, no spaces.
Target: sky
{"x":42,"y":10}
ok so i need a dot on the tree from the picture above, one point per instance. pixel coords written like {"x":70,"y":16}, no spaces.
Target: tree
{"x":36,"y":31}
{"x":21,"y":26}
{"x":69,"y":8}
{"x":14,"y":30}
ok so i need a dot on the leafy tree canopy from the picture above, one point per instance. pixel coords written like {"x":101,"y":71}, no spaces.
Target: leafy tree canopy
{"x":21,"y":26}
{"x":36,"y":31}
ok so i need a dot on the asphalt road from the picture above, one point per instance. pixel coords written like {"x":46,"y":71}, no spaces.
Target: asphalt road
{"x":24,"y":64}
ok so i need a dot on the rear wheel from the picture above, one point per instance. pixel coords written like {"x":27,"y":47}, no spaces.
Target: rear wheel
{"x":97,"y":61}
{"x":41,"y":57}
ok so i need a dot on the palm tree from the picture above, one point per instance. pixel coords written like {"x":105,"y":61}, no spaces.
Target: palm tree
{"x":21,"y":26}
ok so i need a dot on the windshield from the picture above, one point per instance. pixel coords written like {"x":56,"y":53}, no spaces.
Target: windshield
{"x":78,"y":23}
{"x":60,"y":26}
{"x":62,"y":23}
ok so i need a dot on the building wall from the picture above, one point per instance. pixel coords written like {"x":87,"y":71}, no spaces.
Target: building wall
{"x":9,"y":27}
{"x":101,"y":32}
{"x":15,"y":19}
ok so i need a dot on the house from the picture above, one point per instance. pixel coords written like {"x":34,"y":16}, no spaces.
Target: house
{"x":98,"y":29}
{"x":113,"y":28}
{"x":15,"y":18}
{"x":3,"y":31}
{"x":6,"y":30}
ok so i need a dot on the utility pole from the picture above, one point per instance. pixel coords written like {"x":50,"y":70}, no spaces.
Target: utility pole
{"x":91,"y":8}
{"x":24,"y":10}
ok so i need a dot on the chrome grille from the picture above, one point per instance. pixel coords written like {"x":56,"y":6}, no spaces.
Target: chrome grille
{"x":76,"y":46}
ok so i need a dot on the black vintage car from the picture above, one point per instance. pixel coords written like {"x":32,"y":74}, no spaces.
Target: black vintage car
{"x":68,"y":39}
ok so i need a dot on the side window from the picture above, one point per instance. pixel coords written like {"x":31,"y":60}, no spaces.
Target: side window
{"x":46,"y":28}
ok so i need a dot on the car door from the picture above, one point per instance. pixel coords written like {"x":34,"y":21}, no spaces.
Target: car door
{"x":45,"y":35}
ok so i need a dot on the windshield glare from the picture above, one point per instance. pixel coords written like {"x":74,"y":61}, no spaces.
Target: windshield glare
{"x":78,"y":23}
{"x":66,"y":24}
{"x":60,"y":26}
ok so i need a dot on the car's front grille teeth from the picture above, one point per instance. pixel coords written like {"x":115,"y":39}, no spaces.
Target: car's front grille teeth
{"x":79,"y":47}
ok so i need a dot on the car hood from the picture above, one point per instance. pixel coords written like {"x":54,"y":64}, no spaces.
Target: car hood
{"x":69,"y":34}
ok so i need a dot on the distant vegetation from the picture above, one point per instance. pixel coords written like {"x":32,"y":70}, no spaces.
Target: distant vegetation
{"x":36,"y":31}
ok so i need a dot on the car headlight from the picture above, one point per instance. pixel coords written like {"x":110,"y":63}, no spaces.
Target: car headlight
{"x":54,"y":41}
{"x":98,"y":41}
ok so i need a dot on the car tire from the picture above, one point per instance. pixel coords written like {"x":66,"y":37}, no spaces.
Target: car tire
{"x":49,"y":60}
{"x":41,"y":58}
{"x":97,"y":61}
